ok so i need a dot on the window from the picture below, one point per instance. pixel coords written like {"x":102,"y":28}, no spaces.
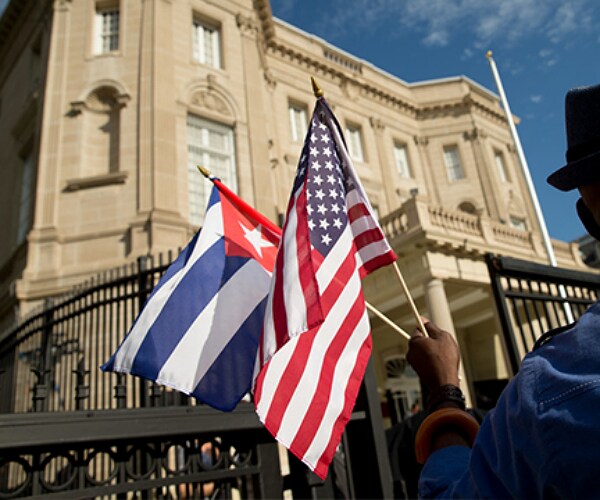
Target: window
{"x":210,"y":145}
{"x":26,"y":198}
{"x":518,"y":223}
{"x":401,"y":160}
{"x":500,"y":166}
{"x":353,"y":137}
{"x":107,"y":28}
{"x":206,"y":44}
{"x":297,"y":122}
{"x":453,"y":166}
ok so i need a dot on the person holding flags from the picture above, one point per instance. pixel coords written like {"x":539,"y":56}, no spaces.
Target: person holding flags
{"x":542,"y":438}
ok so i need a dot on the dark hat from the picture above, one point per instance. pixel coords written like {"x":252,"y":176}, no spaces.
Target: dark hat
{"x":582,"y":121}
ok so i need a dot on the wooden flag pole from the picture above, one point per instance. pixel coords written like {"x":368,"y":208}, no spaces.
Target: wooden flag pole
{"x":409,"y":298}
{"x":206,"y":173}
{"x":387,"y":320}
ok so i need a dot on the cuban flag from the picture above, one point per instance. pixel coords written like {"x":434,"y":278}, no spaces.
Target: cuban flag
{"x":200,"y":328}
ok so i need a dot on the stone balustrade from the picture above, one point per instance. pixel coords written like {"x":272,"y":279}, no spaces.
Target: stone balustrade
{"x":476,"y":231}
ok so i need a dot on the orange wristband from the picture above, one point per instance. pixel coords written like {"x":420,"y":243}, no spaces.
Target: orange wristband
{"x":444,"y":417}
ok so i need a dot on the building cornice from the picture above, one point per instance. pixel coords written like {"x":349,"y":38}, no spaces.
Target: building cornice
{"x":265,"y":17}
{"x":343,"y":69}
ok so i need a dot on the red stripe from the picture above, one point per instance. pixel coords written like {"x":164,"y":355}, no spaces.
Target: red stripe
{"x":306,"y":272}
{"x":357,"y":211}
{"x":312,"y":419}
{"x":350,"y":397}
{"x":367,"y":237}
{"x":377,"y":262}
{"x":289,"y":380}
{"x":295,"y":368}
{"x":339,"y":281}
{"x":279,"y":319}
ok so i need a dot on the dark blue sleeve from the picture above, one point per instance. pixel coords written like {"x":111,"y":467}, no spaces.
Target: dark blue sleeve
{"x":506,"y":458}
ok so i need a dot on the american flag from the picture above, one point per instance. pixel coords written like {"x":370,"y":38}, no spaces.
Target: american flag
{"x":316,"y":338}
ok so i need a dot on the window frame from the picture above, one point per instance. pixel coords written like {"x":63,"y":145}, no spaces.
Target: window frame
{"x":451,"y":170}
{"x":404,"y":171}
{"x":293,"y":107}
{"x":200,"y":26}
{"x":501,"y":169}
{"x":197,"y":208}
{"x":356,"y":148}
{"x":100,"y":35}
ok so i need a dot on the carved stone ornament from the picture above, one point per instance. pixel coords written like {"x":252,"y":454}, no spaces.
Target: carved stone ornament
{"x":62,"y":4}
{"x":475,"y":134}
{"x":210,"y":100}
{"x":247,"y":25}
{"x":421,"y":140}
{"x":377,"y":124}
{"x":270,"y":79}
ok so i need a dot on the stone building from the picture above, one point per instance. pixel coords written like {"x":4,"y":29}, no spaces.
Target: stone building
{"x":107,"y":106}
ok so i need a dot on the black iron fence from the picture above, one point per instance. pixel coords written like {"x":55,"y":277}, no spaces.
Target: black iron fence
{"x":50,"y":361}
{"x":69,"y":429}
{"x":532,"y":299}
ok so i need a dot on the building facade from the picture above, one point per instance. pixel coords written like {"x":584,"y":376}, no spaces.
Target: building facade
{"x":107,"y":106}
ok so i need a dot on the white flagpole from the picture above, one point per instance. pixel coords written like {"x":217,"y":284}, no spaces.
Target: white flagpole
{"x":531,"y":188}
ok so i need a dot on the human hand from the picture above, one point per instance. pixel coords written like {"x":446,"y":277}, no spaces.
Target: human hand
{"x":434,"y":358}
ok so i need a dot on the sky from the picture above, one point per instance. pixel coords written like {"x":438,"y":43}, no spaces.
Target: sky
{"x":542,"y":48}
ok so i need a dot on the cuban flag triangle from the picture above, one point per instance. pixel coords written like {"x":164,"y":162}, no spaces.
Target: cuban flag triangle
{"x":200,"y":328}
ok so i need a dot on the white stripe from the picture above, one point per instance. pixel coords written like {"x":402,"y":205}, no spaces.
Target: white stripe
{"x":278,"y":364}
{"x":327,"y":272}
{"x":293,"y":295}
{"x":363,"y":224}
{"x":269,"y":340}
{"x":306,"y":387}
{"x":373,"y":250}
{"x":292,"y":289}
{"x":212,"y":330}
{"x":211,"y":232}
{"x":272,"y":375}
{"x":337,"y":400}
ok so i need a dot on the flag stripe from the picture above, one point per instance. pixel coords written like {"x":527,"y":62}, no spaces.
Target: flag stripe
{"x":200,"y":328}
{"x":292,"y":373}
{"x":127,"y":352}
{"x":306,"y":386}
{"x":201,"y":344}
{"x":305,"y":389}
{"x":179,"y":313}
{"x":232,"y":371}
{"x":325,"y":395}
{"x":353,"y":386}
{"x":306,"y":276}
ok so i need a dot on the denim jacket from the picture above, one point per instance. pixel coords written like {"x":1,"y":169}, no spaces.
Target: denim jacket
{"x":543,"y":438}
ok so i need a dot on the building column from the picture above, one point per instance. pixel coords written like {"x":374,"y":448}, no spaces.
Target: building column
{"x":477,"y":137}
{"x":262,"y":196}
{"x":392,"y":201}
{"x":431,"y":185}
{"x":439,"y":313}
{"x":44,"y":251}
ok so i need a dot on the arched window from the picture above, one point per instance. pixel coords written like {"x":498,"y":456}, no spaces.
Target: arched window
{"x":402,"y":385}
{"x":101,"y":132}
{"x":468,"y":207}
